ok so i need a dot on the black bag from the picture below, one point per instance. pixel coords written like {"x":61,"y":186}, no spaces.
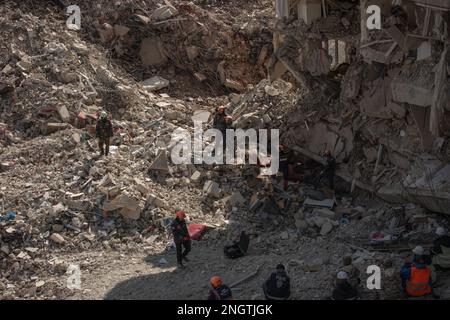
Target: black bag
{"x":238,"y":249}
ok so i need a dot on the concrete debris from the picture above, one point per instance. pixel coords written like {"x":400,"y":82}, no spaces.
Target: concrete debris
{"x":164,"y":13}
{"x":155,"y":83}
{"x":211,"y":188}
{"x":152,"y":52}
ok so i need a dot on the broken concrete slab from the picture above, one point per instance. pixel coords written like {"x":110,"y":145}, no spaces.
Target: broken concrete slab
{"x":57,"y":238}
{"x":129,"y":207}
{"x":212,"y":189}
{"x":424,"y":51}
{"x":63,"y":113}
{"x":234,"y":200}
{"x":161,"y":162}
{"x":327,"y":203}
{"x":155,"y":83}
{"x":196,"y":177}
{"x":163,"y":13}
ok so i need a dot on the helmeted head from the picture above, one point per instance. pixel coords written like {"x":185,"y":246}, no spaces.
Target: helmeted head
{"x":342,"y":276}
{"x":418,"y":251}
{"x":280,"y":267}
{"x":328,"y":152}
{"x":215,"y":281}
{"x":181,"y":215}
{"x":440,"y":232}
{"x":103,"y":115}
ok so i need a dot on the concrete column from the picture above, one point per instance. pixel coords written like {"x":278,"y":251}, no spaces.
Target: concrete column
{"x":282,"y":8}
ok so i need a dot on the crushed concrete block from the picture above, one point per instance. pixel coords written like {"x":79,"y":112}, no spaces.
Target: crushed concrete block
{"x":196,"y":176}
{"x":324,"y":213}
{"x":424,"y":51}
{"x":24,"y":65}
{"x":164,"y":13}
{"x":284,"y":235}
{"x":7,"y":70}
{"x":54,"y":127}
{"x":57,"y":238}
{"x":161,"y":162}
{"x":129,"y":206}
{"x":234,"y":85}
{"x":157,"y":202}
{"x":326,"y":228}
{"x":212,"y":189}
{"x":200,"y":76}
{"x":57,"y":209}
{"x":152,"y":52}
{"x":201,"y":116}
{"x":63,"y":113}
{"x":140,"y":186}
{"x":155,"y":83}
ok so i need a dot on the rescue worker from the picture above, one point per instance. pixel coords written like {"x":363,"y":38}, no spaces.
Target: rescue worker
{"x":416,"y":277}
{"x":343,"y":290}
{"x":353,"y":272}
{"x":440,"y":252}
{"x":219,"y":290}
{"x":181,"y":237}
{"x":392,"y":288}
{"x":278,"y":286}
{"x":104,"y":132}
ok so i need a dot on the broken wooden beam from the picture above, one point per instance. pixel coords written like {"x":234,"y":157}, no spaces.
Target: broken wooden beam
{"x":247,"y":277}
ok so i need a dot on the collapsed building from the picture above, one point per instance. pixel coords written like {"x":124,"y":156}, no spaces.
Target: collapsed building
{"x":382,"y":96}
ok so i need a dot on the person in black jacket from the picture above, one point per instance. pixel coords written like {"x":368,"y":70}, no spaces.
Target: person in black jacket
{"x":278,"y":286}
{"x":104,"y":132}
{"x":343,"y":289}
{"x":181,"y":237}
{"x":219,"y":290}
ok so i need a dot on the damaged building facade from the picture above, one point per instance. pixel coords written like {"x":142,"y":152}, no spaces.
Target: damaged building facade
{"x":387,"y":123}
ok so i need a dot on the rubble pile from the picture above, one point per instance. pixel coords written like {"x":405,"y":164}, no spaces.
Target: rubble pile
{"x":157,"y":66}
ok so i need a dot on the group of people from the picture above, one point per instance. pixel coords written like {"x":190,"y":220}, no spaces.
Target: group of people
{"x":416,"y":276}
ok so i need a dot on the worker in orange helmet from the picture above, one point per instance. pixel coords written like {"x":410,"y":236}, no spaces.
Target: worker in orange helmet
{"x":181,"y":237}
{"x":219,"y":290}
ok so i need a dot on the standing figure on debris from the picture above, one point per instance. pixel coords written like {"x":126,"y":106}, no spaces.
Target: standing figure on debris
{"x":416,"y":277}
{"x":220,"y":121}
{"x":278,"y":286}
{"x":181,"y":237}
{"x":104,"y":132}
{"x":343,"y":290}
{"x":219,"y":290}
{"x":440,"y":252}
{"x":352,"y":272}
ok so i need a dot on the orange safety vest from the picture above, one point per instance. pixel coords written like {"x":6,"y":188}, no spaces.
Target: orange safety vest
{"x":419,"y":282}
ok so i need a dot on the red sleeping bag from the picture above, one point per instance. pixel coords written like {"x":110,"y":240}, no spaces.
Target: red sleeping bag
{"x":196,"y":231}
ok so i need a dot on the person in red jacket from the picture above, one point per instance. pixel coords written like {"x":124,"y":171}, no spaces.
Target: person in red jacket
{"x":181,"y":237}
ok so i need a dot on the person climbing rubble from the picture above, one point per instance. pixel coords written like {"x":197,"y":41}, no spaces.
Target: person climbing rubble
{"x":104,"y":132}
{"x":219,"y":291}
{"x":181,"y":237}
{"x":278,"y":286}
{"x":416,"y":276}
{"x":343,"y":289}
{"x":440,"y":252}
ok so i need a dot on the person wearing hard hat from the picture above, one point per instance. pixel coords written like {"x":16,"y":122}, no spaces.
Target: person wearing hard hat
{"x":440,"y":252}
{"x":181,"y":237}
{"x":278,"y":286}
{"x":219,"y":291}
{"x":343,"y":290}
{"x":416,"y":276}
{"x":104,"y":132}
